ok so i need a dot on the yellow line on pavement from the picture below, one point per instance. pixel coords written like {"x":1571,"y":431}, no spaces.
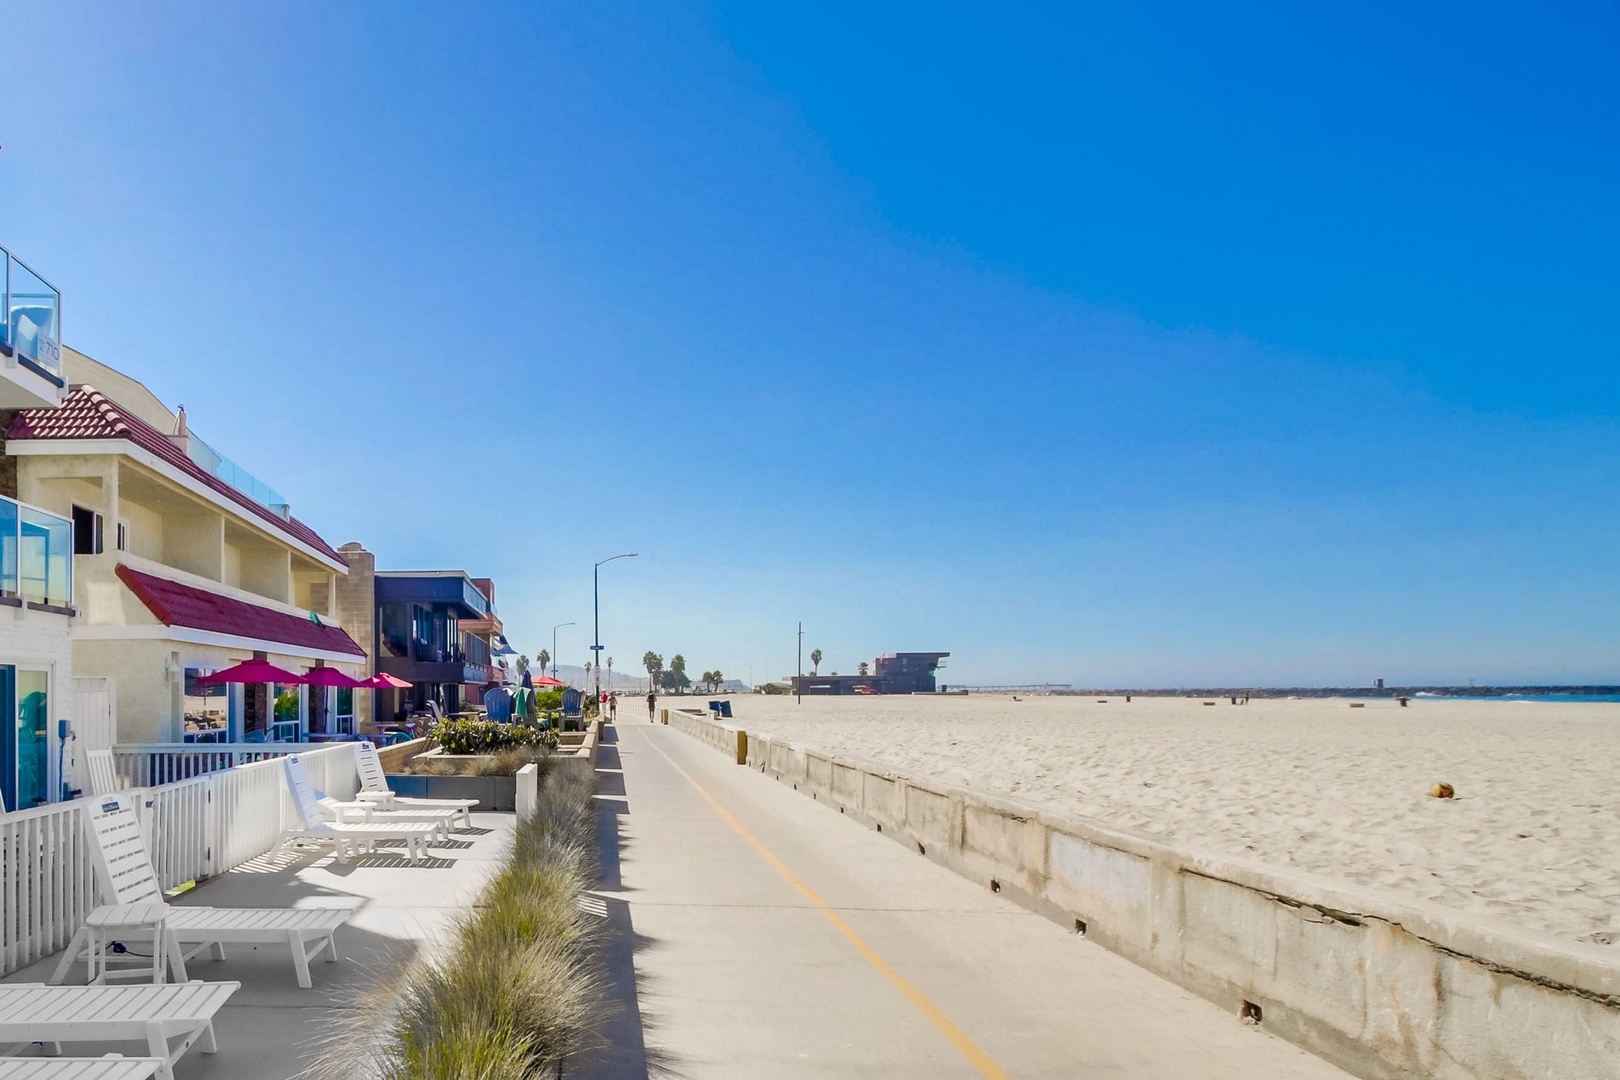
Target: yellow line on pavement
{"x":954,"y":1035}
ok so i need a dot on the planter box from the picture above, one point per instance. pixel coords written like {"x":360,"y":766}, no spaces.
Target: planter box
{"x":492,"y":792}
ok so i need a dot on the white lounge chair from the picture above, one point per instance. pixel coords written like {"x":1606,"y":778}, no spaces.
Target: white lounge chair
{"x":132,"y":903}
{"x":346,"y":813}
{"x":310,"y":823}
{"x":103,"y":772}
{"x":110,"y":1067}
{"x":374,"y":788}
{"x":155,"y":1015}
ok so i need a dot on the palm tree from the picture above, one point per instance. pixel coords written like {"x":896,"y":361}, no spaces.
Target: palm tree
{"x":655,"y":667}
{"x":863,"y":667}
{"x":718,"y":679}
{"x":815,"y":661}
{"x":522,"y":665}
{"x":610,"y":673}
{"x":544,"y":658}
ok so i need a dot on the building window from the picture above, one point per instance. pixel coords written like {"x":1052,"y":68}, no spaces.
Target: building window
{"x":343,"y":714}
{"x":207,"y":715}
{"x":123,"y":536}
{"x":86,"y":531}
{"x":25,"y":746}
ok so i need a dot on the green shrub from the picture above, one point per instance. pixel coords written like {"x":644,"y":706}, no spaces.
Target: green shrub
{"x":459,"y":736}
{"x":514,"y":993}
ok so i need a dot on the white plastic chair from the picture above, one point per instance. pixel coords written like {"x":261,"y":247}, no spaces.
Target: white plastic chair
{"x":310,"y":823}
{"x":132,"y":899}
{"x":374,"y":788}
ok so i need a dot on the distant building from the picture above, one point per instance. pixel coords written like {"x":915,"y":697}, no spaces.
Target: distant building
{"x":420,"y":639}
{"x":892,"y":673}
{"x":908,"y":672}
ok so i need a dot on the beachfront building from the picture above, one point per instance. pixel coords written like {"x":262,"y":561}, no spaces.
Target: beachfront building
{"x":492,"y":634}
{"x":183,"y":563}
{"x":892,"y":673}
{"x":421,"y":638}
{"x":36,"y":560}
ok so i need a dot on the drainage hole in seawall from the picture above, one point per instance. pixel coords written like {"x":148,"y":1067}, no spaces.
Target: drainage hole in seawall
{"x":1251,"y":1013}
{"x":921,"y":850}
{"x":840,"y":809}
{"x":1080,"y":927}
{"x":995,"y":886}
{"x":795,"y":787}
{"x":880,"y":828}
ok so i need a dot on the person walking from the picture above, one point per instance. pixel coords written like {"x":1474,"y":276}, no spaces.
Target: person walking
{"x":652,"y":701}
{"x":613,"y":706}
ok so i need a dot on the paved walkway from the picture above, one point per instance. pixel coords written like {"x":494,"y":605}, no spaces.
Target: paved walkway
{"x":759,"y":934}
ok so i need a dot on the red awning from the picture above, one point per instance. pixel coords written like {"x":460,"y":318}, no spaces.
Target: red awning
{"x":198,"y":609}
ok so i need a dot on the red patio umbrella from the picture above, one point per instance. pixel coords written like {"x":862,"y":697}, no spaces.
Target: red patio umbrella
{"x":254,"y":671}
{"x":547,"y":680}
{"x":331,"y":676}
{"x":384,"y":681}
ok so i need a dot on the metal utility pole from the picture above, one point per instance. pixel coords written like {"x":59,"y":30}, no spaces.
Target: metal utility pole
{"x":596,"y":607}
{"x":798,"y":684}
{"x":554,"y":630}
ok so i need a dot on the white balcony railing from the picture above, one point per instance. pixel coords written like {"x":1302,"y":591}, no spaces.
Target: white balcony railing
{"x":196,"y":827}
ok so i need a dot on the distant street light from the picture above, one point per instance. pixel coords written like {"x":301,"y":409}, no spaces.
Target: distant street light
{"x":554,"y":630}
{"x":596,"y":607}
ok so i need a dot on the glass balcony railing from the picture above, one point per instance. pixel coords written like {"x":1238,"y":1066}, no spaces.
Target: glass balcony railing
{"x":236,"y":476}
{"x":36,"y":554}
{"x":33,"y":310}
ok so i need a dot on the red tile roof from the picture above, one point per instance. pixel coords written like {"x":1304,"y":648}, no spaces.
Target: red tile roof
{"x":198,"y":609}
{"x":87,"y":413}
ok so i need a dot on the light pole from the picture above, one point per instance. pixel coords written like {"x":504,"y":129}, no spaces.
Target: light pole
{"x":596,"y":610}
{"x":798,"y":684}
{"x":554,"y":630}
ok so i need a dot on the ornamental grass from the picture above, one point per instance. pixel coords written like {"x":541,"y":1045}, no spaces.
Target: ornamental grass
{"x":511,"y":995}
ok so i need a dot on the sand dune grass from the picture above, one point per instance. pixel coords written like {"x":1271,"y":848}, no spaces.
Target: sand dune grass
{"x":510,"y":997}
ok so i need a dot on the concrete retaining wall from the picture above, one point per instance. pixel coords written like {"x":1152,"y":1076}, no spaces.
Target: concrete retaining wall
{"x":1383,"y":988}
{"x":731,"y":741}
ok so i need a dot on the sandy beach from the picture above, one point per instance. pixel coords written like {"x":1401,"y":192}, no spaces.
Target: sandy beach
{"x":1533,"y":836}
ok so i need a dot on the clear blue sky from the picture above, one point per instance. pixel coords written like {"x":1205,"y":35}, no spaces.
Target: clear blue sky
{"x":1178,"y":345}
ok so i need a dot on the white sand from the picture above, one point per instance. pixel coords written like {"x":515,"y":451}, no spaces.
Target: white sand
{"x":1532,"y":837}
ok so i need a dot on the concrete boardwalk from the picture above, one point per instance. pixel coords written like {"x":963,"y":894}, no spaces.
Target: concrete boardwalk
{"x":814,"y":947}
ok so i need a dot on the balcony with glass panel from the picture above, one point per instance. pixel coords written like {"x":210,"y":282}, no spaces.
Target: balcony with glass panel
{"x":36,"y":556}
{"x":30,"y":337}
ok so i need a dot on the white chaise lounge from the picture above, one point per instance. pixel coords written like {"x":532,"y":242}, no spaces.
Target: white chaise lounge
{"x":103,"y":772}
{"x":133,"y":904}
{"x":348,"y":813}
{"x":111,"y":1067}
{"x":155,"y":1015}
{"x":374,"y":788}
{"x":310,"y":824}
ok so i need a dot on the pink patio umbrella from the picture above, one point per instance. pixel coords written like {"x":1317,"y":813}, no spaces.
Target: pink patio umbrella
{"x":331,"y":676}
{"x":384,"y":681}
{"x":254,"y":671}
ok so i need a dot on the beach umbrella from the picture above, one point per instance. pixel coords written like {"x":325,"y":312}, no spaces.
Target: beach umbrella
{"x":253,"y":671}
{"x":384,"y":681}
{"x":547,"y":680}
{"x":331,"y":676}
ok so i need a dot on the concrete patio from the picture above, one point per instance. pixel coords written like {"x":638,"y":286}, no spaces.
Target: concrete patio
{"x":269,"y":1027}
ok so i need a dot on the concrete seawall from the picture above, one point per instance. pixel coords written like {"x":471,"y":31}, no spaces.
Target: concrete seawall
{"x":1383,"y":988}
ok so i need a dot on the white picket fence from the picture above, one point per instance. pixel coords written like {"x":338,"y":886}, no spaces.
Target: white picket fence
{"x":195,"y":828}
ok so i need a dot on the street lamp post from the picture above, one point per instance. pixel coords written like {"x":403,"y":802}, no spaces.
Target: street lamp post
{"x":554,"y":630}
{"x":596,"y":610}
